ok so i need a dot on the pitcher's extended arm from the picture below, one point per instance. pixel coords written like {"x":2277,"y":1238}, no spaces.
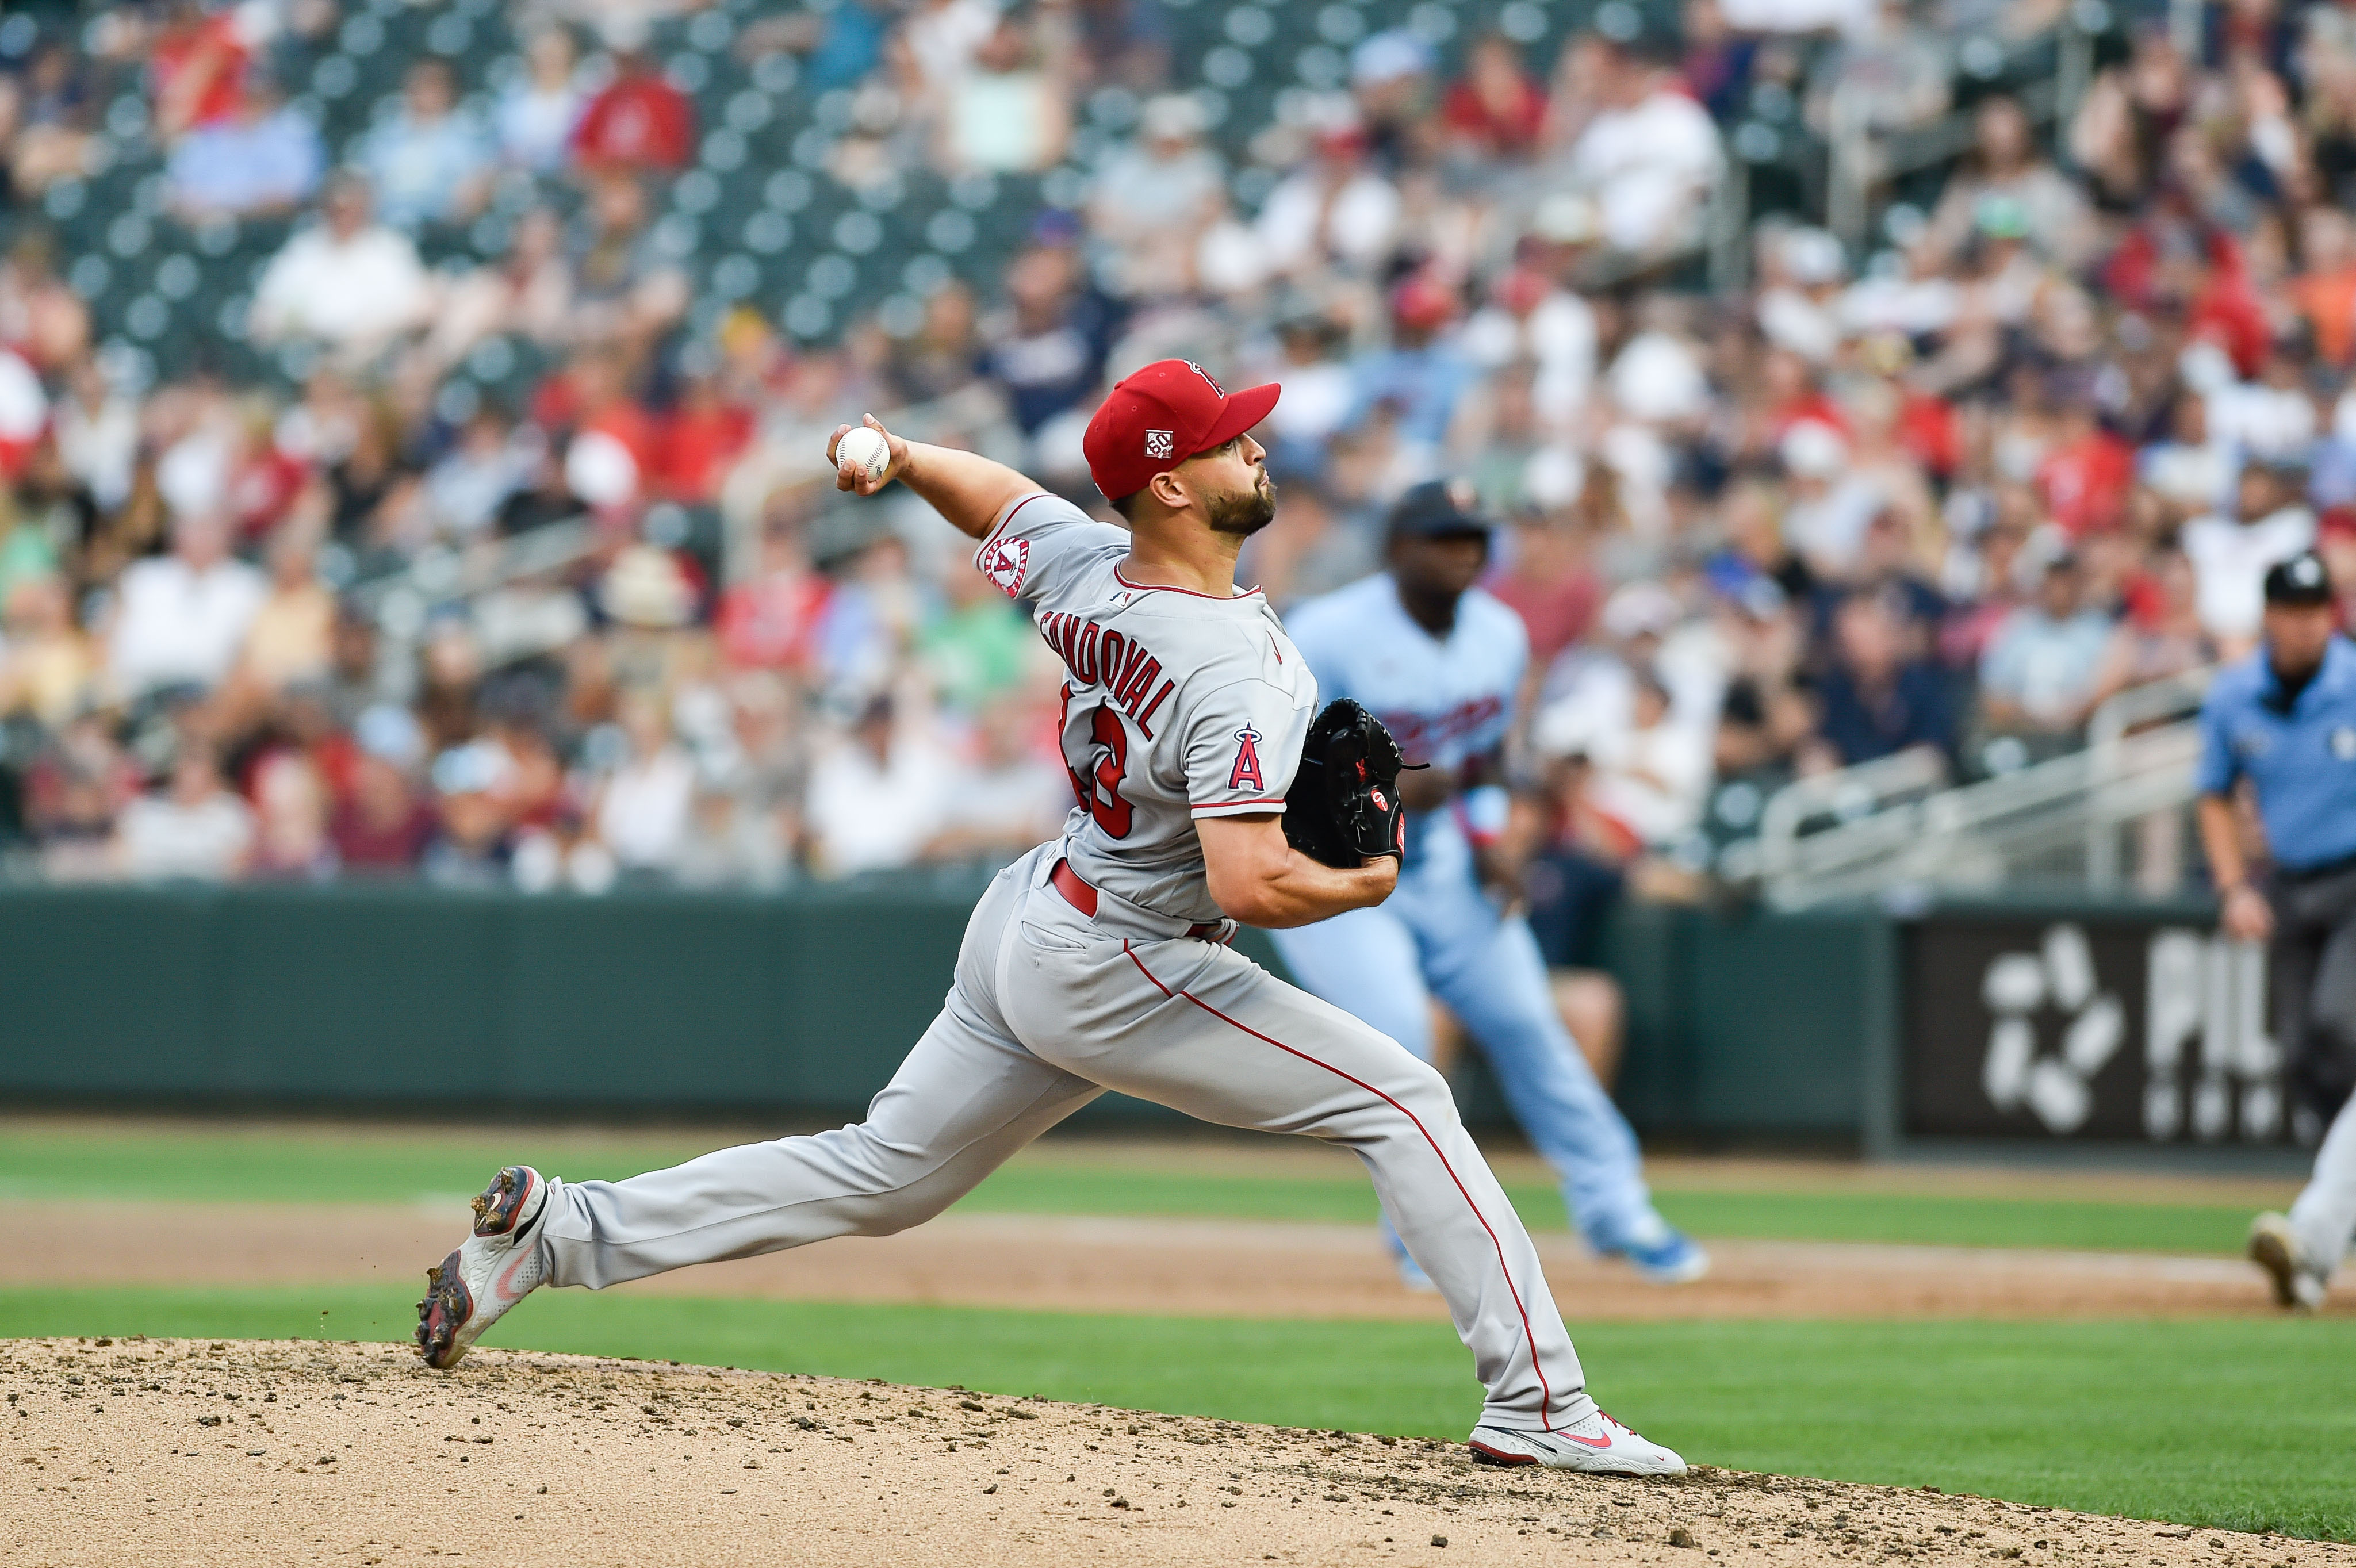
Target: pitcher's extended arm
{"x":1260,"y":880}
{"x":967,"y":488}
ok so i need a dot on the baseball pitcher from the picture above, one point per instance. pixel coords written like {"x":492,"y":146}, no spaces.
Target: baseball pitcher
{"x":1441,"y":663}
{"x":1100,"y":960}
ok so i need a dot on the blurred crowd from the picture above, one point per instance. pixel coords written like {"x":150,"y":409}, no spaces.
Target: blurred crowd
{"x":2035,"y":441}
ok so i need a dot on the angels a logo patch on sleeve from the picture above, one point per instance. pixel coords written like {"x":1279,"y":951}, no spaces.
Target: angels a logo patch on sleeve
{"x":1005,"y":563}
{"x":1245,"y":775}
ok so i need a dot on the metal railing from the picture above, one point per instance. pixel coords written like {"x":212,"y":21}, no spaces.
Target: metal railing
{"x":2169,"y":700}
{"x":511,"y":593}
{"x":1887,"y":826}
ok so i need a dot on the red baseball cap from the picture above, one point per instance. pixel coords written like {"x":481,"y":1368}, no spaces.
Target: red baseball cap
{"x":1160,"y":416}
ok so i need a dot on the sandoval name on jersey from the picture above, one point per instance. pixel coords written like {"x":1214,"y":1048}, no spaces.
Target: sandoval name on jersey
{"x":1176,"y":704}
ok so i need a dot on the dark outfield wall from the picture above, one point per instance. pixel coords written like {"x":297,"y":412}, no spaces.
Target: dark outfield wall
{"x":798,"y":1005}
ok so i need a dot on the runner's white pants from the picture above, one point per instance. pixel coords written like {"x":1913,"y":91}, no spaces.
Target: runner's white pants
{"x":1049,"y":1009}
{"x":2325,"y":1215}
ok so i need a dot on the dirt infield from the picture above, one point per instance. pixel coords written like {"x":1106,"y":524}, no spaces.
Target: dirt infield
{"x":177,"y":1451}
{"x":1183,"y":1267}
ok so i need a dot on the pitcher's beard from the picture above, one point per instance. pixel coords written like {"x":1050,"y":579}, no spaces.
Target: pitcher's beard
{"x":1247,"y":514}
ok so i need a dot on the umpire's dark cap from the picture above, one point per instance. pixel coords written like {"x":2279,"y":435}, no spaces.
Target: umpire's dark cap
{"x":1440,"y":506}
{"x":2301,"y":580}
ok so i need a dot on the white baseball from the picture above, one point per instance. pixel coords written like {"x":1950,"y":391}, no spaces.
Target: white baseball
{"x":866,"y":450}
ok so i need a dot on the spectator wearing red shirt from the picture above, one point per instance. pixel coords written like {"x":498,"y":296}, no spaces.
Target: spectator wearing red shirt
{"x":382,"y":826}
{"x":639,"y":121}
{"x":1928,"y":429}
{"x":701,"y":441}
{"x":771,"y":621}
{"x":1494,"y":110}
{"x":198,"y":71}
{"x":2084,"y":480}
{"x":612,"y":448}
{"x":1547,"y":583}
{"x":1792,"y":397}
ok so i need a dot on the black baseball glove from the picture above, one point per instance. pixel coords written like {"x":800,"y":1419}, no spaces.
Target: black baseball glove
{"x":1344,"y":806}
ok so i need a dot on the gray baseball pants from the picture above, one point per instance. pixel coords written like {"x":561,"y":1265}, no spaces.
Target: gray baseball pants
{"x":1049,"y":1009}
{"x":2324,"y":1218}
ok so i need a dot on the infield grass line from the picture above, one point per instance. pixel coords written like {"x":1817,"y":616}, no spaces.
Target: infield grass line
{"x":231,"y":1164}
{"x":2234,"y":1424}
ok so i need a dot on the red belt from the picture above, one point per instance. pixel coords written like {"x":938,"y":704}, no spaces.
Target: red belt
{"x":1082,"y":897}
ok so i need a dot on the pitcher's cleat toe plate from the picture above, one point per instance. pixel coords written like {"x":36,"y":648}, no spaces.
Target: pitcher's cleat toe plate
{"x":492,"y":1270}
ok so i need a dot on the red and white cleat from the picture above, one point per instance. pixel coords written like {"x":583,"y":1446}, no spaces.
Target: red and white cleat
{"x":492,"y":1270}
{"x":1598,"y":1444}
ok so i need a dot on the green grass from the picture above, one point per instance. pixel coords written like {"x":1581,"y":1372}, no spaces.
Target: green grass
{"x":2239,"y":1423}
{"x":233,"y":1164}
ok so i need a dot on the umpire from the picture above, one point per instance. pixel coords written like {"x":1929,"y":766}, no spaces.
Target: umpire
{"x":2285,"y":718}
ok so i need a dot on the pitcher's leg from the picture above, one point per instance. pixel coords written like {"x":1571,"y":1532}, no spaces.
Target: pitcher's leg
{"x":967,"y":1097}
{"x":2325,"y":1215}
{"x":1207,"y":1031}
{"x":1494,"y":978}
{"x":1365,"y":962}
{"x":960,"y":1105}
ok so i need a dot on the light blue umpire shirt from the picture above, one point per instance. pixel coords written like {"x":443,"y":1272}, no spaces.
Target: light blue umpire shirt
{"x":2302,"y":761}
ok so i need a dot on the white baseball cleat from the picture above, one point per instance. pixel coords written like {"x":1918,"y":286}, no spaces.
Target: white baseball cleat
{"x":1598,"y":1444}
{"x":2273,"y":1247}
{"x":492,"y":1270}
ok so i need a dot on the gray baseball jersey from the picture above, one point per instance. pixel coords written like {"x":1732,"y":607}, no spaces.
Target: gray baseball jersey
{"x":1176,"y":705}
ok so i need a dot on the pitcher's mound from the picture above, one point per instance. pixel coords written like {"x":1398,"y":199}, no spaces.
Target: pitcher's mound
{"x":193,"y":1451}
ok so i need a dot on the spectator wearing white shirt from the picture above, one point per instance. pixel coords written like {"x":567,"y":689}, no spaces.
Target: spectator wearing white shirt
{"x":96,"y":424}
{"x":1800,"y":295}
{"x":641,"y":813}
{"x":181,"y":619}
{"x":1317,"y":387}
{"x":2191,"y":470}
{"x":1650,"y":156}
{"x":1532,"y":316}
{"x":2271,"y":418}
{"x":1337,"y":205}
{"x":351,"y":284}
{"x":878,"y":796}
{"x":2229,"y":555}
{"x":1011,"y":798}
{"x":194,"y":827}
{"x":941,"y":38}
{"x":1155,"y":196}
{"x":1648,"y":780}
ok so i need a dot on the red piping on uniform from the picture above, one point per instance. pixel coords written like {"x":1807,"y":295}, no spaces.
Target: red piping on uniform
{"x":1255,"y":800}
{"x":1546,"y":1417}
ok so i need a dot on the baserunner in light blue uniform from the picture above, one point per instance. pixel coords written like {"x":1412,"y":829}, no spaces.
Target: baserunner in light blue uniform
{"x":1441,"y":663}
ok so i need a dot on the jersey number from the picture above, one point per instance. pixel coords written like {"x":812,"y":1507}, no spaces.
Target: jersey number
{"x":1100,"y":790}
